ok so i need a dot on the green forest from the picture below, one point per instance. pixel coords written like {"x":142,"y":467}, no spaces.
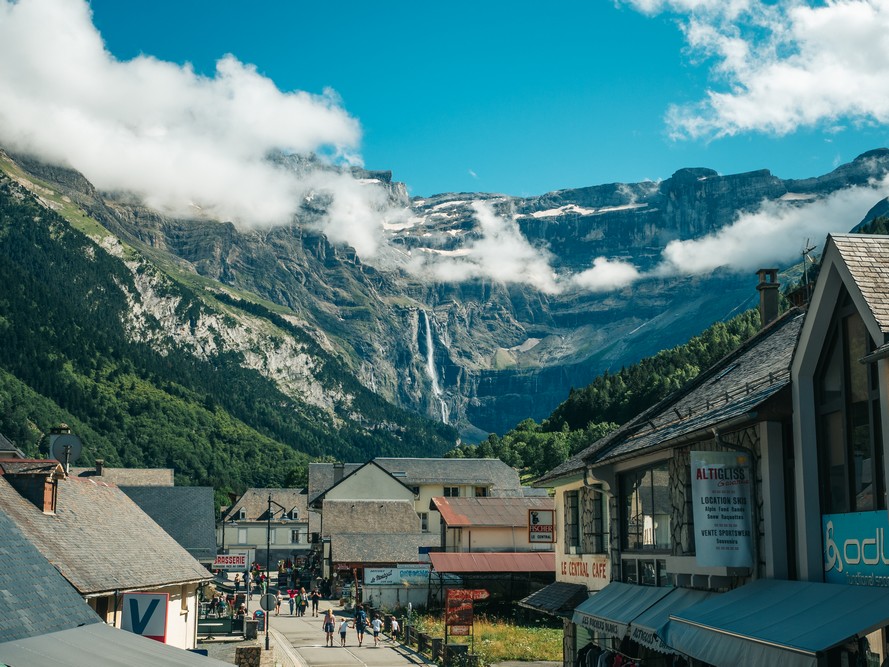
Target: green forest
{"x":65,"y":357}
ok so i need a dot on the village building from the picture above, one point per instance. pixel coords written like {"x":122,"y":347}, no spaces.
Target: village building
{"x":269,"y":524}
{"x":103,"y":544}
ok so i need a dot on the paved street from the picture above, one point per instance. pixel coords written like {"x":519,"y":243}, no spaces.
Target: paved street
{"x":307,"y":639}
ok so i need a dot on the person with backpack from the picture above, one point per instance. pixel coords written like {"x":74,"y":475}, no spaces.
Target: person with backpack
{"x":360,"y":623}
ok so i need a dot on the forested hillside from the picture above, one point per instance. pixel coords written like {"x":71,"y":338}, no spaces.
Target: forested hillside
{"x":68,"y":354}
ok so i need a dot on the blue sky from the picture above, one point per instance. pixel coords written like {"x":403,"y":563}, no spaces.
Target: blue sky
{"x":517,"y":97}
{"x":181,"y":103}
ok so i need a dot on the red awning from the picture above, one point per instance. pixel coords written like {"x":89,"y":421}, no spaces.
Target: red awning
{"x":535,"y":561}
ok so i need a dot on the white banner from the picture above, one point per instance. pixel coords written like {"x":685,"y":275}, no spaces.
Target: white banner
{"x":236,"y":560}
{"x":721,"y":488}
{"x":396,"y":576}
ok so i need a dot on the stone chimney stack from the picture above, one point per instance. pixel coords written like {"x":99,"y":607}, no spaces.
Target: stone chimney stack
{"x":338,"y":469}
{"x":768,"y":295}
{"x":36,"y":481}
{"x":100,"y":467}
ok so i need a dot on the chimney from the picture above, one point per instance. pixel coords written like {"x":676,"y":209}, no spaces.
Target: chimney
{"x":35,"y":481}
{"x":100,"y":467}
{"x":768,"y":295}
{"x":338,"y":469}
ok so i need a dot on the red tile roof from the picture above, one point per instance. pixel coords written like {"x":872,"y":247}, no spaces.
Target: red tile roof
{"x":533,"y":561}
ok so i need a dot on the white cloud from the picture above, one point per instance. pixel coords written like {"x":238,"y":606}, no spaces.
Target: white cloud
{"x":772,"y":236}
{"x":606,"y":275}
{"x":782,"y":65}
{"x":182,"y":141}
{"x":502,"y":253}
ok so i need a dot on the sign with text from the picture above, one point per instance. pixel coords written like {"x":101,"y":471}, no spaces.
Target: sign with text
{"x":146,"y":614}
{"x":397,"y":576}
{"x":236,"y":560}
{"x":721,"y":488}
{"x":459,"y":612}
{"x":855,"y":549}
{"x":583,"y":569}
{"x":468,"y":594}
{"x":541,"y":526}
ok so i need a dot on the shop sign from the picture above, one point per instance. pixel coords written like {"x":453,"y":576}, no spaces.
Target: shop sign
{"x":145,"y":614}
{"x":856,"y":548}
{"x":604,"y":625}
{"x":721,"y":497}
{"x":237,"y":560}
{"x":396,"y":576}
{"x":650,"y":639}
{"x":459,"y":612}
{"x":542,"y":526}
{"x":581,"y":569}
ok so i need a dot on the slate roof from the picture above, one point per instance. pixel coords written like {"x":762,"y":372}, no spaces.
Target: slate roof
{"x":187,"y":513}
{"x":34,"y":598}
{"x":9,"y":450}
{"x":379,"y":548}
{"x":100,"y":540}
{"x":739,"y":383}
{"x":558,"y":599}
{"x":369,"y":516}
{"x":256,"y":503}
{"x":867,"y":257}
{"x":488,"y":512}
{"x":503,"y":480}
{"x":128,"y":476}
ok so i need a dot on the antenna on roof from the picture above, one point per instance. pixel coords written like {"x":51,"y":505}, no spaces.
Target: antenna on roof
{"x":807,"y":258}
{"x":64,"y":446}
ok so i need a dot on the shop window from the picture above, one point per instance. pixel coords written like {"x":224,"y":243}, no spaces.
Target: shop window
{"x":849,"y":437}
{"x":592,"y":520}
{"x":645,"y":508}
{"x":294,"y":537}
{"x":572,"y":521}
{"x":630,"y":569}
{"x":452,"y":491}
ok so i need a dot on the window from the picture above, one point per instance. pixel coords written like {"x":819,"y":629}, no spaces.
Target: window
{"x":294,"y":514}
{"x":416,"y":490}
{"x":294,"y":537}
{"x":645,"y":508}
{"x":424,"y":522}
{"x":645,"y":571}
{"x":271,"y":536}
{"x":592,"y":520}
{"x":452,"y":491}
{"x":849,"y":437}
{"x":242,"y":536}
{"x":242,"y":514}
{"x":572,"y":522}
{"x":481,"y":492}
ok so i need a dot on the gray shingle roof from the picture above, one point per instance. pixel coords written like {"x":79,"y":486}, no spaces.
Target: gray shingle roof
{"x":128,"y":476}
{"x":255,"y":502}
{"x":187,"y":513}
{"x":382,"y":549}
{"x":369,"y":516}
{"x":34,"y":598}
{"x":867,"y":257}
{"x":9,"y":450}
{"x":100,"y":540}
{"x":558,"y":599}
{"x":503,"y":480}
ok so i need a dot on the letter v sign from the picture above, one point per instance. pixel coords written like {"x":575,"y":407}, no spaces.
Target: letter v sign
{"x":145,"y":614}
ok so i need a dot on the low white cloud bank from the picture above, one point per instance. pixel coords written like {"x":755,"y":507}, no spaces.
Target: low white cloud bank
{"x":781,"y":65}
{"x":185,"y":143}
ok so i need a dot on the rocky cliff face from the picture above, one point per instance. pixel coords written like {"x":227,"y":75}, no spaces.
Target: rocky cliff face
{"x":479,"y":354}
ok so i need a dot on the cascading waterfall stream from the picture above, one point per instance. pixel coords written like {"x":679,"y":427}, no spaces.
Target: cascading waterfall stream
{"x":432,"y":372}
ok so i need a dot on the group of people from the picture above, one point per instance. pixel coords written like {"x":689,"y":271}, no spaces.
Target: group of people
{"x":299,"y":601}
{"x":361,"y":622}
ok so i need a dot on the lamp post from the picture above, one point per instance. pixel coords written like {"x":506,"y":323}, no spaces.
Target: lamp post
{"x":268,"y":560}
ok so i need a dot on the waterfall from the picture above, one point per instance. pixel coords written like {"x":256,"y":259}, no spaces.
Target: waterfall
{"x":431,"y":371}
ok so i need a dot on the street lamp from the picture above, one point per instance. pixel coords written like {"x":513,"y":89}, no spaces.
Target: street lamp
{"x":268,"y":559}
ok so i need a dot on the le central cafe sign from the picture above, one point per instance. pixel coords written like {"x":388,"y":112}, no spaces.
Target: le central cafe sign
{"x":541,"y":526}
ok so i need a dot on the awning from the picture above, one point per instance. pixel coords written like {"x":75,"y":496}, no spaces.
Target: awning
{"x":610,"y":611}
{"x":97,"y":645}
{"x":557,"y":599}
{"x":532,"y":561}
{"x":648,"y":629}
{"x":772,"y":622}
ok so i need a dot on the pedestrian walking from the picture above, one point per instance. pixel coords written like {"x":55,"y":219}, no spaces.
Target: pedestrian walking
{"x":303,"y":601}
{"x":248,"y":581}
{"x":278,"y":600}
{"x":394,"y":628}
{"x":376,"y":626}
{"x":360,"y":623}
{"x":291,"y":599}
{"x":316,"y":598}
{"x":237,"y":582}
{"x":344,"y":625}
{"x":328,"y":623}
